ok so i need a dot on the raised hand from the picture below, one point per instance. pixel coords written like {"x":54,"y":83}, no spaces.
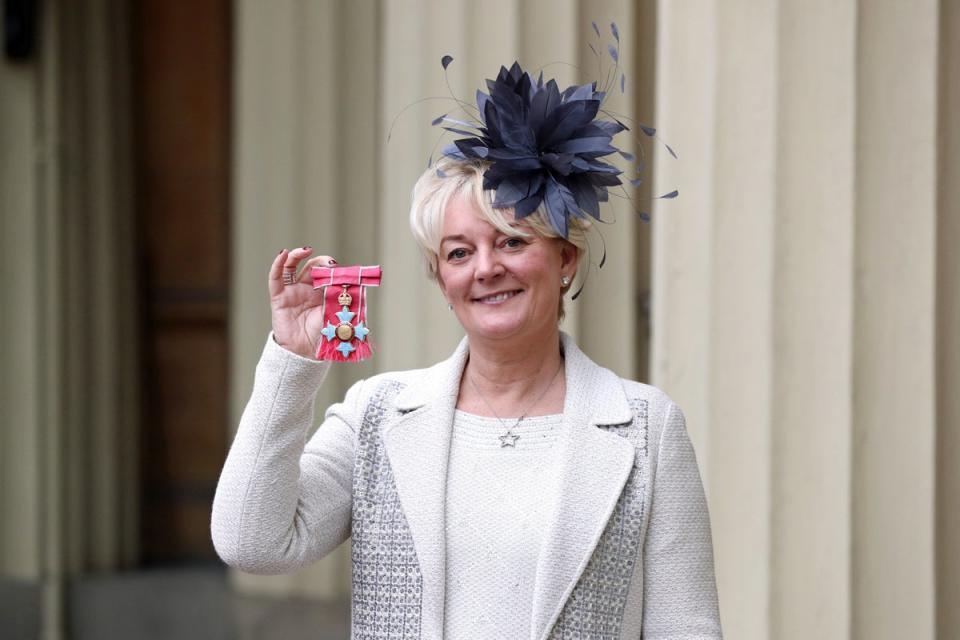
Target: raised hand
{"x":294,"y":304}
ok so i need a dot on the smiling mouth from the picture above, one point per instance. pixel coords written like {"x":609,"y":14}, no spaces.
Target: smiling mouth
{"x":497,"y":298}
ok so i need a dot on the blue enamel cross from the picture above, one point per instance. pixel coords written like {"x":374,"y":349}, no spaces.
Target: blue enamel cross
{"x":358,"y":330}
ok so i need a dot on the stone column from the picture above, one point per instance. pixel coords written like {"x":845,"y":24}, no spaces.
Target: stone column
{"x":305,"y":172}
{"x":894,"y":411}
{"x":68,"y":446}
{"x":948,"y":327}
{"x":796,"y":301}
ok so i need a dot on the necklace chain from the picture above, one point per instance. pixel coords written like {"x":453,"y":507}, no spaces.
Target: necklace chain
{"x":509,"y":439}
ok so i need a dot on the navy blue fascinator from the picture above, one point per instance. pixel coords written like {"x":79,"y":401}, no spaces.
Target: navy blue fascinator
{"x":544,"y":146}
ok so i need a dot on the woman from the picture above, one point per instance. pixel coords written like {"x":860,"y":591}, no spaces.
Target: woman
{"x":515,"y":490}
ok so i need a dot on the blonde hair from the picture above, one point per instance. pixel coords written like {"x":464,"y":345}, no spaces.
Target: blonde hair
{"x":448,"y":178}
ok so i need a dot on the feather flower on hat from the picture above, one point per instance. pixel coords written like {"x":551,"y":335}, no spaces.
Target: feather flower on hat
{"x":543,"y":145}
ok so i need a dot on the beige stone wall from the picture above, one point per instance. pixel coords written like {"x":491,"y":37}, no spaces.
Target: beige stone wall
{"x":805,"y":306}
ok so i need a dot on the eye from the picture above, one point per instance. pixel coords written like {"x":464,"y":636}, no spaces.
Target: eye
{"x":514,"y":242}
{"x":457,"y":254}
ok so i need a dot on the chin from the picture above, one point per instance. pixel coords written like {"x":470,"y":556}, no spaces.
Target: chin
{"x":502,"y":322}
{"x":494,"y":330}
{"x":502,"y":328}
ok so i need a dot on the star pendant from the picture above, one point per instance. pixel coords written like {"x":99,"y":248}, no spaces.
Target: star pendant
{"x":508,"y":439}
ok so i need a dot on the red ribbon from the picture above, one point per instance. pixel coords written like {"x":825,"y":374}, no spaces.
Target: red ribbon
{"x":354,"y":281}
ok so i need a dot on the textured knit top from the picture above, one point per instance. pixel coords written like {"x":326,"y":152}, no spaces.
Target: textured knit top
{"x":498,"y":503}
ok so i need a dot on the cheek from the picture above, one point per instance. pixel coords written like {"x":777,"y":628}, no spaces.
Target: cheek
{"x":449,"y":281}
{"x":542,"y":268}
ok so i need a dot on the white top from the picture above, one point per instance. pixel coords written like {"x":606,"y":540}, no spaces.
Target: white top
{"x":499,"y":502}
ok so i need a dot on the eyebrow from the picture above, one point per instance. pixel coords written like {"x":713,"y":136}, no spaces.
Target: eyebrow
{"x":462,"y":238}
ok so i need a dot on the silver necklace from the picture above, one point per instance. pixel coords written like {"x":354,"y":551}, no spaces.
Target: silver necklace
{"x":509,"y":439}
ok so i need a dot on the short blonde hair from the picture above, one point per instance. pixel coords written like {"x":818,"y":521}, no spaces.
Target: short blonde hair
{"x":448,"y":178}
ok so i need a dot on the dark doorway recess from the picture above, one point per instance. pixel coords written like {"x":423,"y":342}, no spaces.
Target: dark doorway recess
{"x":181,"y":74}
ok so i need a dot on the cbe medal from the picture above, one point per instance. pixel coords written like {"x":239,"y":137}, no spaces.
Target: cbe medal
{"x":344,"y":289}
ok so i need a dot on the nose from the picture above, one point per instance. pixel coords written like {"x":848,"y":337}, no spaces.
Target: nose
{"x":488,"y":265}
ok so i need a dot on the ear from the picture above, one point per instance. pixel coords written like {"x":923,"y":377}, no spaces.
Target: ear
{"x":569,"y":254}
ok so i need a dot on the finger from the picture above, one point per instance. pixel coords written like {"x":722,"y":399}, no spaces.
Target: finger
{"x":275,"y":278}
{"x":316,"y":261}
{"x":295,"y":256}
{"x":290,"y":265}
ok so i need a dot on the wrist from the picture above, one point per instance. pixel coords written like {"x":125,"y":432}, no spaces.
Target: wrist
{"x":288,"y":347}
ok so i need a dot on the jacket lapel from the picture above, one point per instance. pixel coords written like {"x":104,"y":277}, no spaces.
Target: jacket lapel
{"x":417,"y":445}
{"x":593,"y":468}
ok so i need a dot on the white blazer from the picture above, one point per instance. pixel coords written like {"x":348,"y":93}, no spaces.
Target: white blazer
{"x":627,"y":553}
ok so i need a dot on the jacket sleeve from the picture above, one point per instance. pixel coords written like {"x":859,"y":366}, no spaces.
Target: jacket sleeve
{"x":680,"y":594}
{"x":283,"y":503}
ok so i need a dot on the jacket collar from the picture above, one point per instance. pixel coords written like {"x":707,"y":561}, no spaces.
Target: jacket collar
{"x":593,"y":466}
{"x":597,"y":386}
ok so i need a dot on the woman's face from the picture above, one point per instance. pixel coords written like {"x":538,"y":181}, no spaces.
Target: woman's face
{"x":500,"y":286}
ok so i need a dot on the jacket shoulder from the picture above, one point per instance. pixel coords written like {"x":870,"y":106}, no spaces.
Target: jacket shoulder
{"x":659,"y":409}
{"x":640,"y":391}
